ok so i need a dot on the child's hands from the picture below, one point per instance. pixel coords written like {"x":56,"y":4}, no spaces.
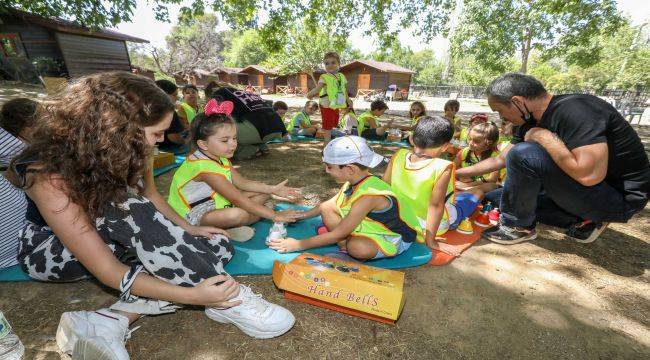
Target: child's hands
{"x":286,"y":216}
{"x":289,"y":193}
{"x":435,"y":244}
{"x":207,"y":231}
{"x":285,"y":245}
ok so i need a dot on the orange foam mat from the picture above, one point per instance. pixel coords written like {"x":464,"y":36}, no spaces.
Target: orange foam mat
{"x":462,"y":242}
{"x":325,"y":305}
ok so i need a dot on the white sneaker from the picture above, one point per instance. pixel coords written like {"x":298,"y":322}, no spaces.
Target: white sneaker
{"x":255,"y":316}
{"x":93,"y":335}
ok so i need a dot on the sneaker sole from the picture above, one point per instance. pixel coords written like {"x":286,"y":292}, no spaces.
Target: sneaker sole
{"x":512,"y":242}
{"x":92,"y":349}
{"x":249,"y":331}
{"x":594,"y":235}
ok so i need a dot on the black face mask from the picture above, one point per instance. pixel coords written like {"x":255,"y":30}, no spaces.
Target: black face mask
{"x":528,"y":116}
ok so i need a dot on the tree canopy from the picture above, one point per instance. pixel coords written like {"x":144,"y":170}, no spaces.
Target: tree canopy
{"x":494,"y":31}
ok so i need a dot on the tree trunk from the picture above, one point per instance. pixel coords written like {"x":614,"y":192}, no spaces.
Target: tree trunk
{"x":454,"y":19}
{"x":525,"y":51}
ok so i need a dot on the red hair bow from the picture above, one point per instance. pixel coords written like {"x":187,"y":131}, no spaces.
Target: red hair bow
{"x":212,"y":107}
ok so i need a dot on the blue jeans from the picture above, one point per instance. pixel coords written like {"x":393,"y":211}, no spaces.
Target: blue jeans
{"x":536,"y":189}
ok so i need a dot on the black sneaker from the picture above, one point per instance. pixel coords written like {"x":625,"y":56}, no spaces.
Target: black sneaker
{"x":509,"y":235}
{"x":586,"y":231}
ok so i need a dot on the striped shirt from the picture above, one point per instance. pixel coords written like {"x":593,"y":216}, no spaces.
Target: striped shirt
{"x":13,"y":203}
{"x":10,"y":146}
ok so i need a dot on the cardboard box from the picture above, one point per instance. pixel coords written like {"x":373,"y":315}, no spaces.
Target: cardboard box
{"x":348,"y":287}
{"x":394,"y":138}
{"x":163,"y":159}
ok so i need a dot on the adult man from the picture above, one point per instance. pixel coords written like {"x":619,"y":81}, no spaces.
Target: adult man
{"x":573,"y":162}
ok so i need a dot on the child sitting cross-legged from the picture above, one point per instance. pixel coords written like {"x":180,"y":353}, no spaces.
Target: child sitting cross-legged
{"x":365,"y":218}
{"x":424,"y":182}
{"x":206,"y":189}
{"x":300,"y":123}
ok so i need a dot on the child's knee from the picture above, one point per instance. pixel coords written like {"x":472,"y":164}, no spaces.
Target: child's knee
{"x":362,"y":249}
{"x":237,"y":217}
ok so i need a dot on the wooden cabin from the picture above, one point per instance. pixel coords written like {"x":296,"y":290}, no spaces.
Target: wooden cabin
{"x":33,"y":45}
{"x":302,"y":82}
{"x":233,"y":76}
{"x":264,"y":80}
{"x":148,"y":73}
{"x":366,"y":76}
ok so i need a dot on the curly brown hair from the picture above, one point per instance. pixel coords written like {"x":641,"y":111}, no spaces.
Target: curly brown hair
{"x":91,"y":136}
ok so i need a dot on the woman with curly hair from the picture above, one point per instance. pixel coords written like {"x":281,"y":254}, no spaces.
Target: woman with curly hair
{"x":93,"y":210}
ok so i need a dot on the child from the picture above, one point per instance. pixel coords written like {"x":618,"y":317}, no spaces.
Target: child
{"x":348,"y":123}
{"x":281,"y":108}
{"x":17,"y":119}
{"x":364,"y":218}
{"x":424,"y":182}
{"x":206,"y":189}
{"x":189,"y":107}
{"x":482,"y":144}
{"x":300,"y":124}
{"x":474,"y":120}
{"x":332,"y":92}
{"x":451,"y":109}
{"x":369,"y":126}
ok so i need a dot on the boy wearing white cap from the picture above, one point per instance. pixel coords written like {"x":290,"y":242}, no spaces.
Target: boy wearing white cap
{"x":365,"y":217}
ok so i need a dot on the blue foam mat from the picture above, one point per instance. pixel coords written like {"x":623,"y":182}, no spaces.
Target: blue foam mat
{"x":255,"y":258}
{"x":13,"y":273}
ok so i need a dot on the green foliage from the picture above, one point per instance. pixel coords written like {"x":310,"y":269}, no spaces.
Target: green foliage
{"x":495,"y":31}
{"x":193,"y":44}
{"x":304,"y":49}
{"x":376,"y":15}
{"x":246,"y":48}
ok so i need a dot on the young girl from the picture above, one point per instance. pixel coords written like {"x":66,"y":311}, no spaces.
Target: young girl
{"x":300,"y":124}
{"x":482,"y":140}
{"x":92,"y":198}
{"x":474,"y":120}
{"x":416,"y":112}
{"x":207,"y":190}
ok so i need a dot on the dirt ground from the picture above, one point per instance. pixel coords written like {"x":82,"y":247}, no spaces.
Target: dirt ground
{"x":547,"y":299}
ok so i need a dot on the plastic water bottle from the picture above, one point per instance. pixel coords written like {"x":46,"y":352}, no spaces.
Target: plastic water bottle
{"x":277,"y":231}
{"x":10,"y":346}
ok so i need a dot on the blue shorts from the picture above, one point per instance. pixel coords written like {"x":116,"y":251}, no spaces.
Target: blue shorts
{"x":465,"y":205}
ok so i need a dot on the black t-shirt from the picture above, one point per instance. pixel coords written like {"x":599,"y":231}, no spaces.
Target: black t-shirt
{"x":581,"y":120}
{"x":252,"y":107}
{"x":176,"y":127}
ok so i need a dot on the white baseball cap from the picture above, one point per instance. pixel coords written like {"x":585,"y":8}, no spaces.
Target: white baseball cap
{"x":351,"y":149}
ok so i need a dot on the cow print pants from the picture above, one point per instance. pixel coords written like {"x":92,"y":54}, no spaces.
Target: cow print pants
{"x":141,"y":237}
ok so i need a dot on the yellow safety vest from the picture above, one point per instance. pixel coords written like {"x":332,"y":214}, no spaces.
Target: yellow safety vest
{"x":361,"y":120}
{"x":406,"y":226}
{"x":187,"y":172}
{"x":292,"y":123}
{"x":415,"y":185}
{"x":335,"y":92}
{"x":468,"y":159}
{"x":189,"y":111}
